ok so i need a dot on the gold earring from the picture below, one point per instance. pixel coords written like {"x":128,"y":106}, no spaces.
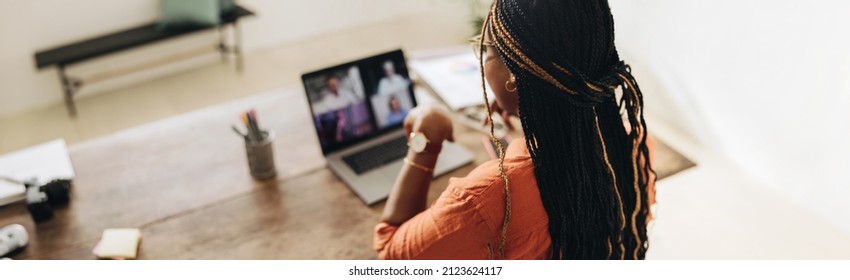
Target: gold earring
{"x":508,"y":82}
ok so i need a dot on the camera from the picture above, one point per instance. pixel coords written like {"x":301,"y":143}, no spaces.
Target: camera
{"x":42,"y":199}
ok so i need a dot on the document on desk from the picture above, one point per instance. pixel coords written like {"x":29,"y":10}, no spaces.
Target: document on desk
{"x":43,"y":162}
{"x":455,"y":78}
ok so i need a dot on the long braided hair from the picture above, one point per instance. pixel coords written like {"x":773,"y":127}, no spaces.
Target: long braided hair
{"x":591,"y":171}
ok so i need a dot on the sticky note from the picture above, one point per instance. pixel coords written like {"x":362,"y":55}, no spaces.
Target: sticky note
{"x":118,"y":243}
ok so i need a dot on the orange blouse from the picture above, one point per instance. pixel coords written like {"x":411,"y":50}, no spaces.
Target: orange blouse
{"x":468,"y":216}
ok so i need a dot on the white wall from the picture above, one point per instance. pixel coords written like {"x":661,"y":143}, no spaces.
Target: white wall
{"x":29,"y":26}
{"x":764,"y":83}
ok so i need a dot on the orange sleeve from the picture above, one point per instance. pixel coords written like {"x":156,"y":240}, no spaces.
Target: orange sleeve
{"x":450,"y":229}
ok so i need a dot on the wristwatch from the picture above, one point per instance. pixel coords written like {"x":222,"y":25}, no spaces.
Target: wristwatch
{"x":419,"y":143}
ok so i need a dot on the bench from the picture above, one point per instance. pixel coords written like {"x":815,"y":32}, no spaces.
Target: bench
{"x":63,"y":56}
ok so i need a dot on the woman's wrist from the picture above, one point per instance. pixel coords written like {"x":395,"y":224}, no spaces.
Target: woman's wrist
{"x":426,"y":160}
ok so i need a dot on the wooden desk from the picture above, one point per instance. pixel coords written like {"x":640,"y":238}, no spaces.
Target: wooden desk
{"x":184,"y":182}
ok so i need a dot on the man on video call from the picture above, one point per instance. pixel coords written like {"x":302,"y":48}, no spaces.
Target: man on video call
{"x":392,"y":83}
{"x":334,"y":100}
{"x":335,"y":97}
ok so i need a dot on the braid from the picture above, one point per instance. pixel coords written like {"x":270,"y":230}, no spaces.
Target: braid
{"x":506,"y":221}
{"x":592,"y":174}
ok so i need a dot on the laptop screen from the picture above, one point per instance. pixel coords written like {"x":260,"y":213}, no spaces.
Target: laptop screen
{"x":359,"y":100}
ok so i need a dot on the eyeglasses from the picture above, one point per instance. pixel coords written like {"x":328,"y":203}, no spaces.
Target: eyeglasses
{"x":477,"y":46}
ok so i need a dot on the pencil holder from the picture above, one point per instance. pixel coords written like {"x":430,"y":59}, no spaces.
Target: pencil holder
{"x":261,"y":157}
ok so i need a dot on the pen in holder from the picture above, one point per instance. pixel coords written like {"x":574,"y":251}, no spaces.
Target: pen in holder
{"x":261,"y":156}
{"x":258,"y":147}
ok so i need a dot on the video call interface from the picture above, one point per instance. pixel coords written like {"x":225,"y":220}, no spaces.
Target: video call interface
{"x":360,"y":99}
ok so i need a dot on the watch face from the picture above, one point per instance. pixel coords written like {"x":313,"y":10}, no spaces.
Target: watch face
{"x":418,"y":142}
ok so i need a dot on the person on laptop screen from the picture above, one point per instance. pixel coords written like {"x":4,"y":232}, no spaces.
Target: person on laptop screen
{"x":392,"y":83}
{"x":335,"y":97}
{"x":341,"y":112}
{"x":579,"y":185}
{"x":397,"y":113}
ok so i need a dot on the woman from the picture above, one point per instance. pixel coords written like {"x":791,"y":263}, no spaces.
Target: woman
{"x":397,"y":113}
{"x":578,"y":185}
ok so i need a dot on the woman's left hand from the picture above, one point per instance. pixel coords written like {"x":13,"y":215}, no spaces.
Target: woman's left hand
{"x":506,"y":116}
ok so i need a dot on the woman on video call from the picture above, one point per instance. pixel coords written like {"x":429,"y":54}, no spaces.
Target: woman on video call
{"x":578,"y":185}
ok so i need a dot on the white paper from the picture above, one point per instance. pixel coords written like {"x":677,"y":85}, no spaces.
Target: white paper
{"x":10,"y":192}
{"x":44,"y":162}
{"x":455,"y":78}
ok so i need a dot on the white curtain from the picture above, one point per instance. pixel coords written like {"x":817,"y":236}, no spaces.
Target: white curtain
{"x":763,"y":83}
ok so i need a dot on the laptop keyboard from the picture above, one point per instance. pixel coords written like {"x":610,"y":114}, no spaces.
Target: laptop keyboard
{"x":377,"y":156}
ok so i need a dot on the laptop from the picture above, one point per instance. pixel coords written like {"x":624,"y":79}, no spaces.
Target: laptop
{"x":358,"y":109}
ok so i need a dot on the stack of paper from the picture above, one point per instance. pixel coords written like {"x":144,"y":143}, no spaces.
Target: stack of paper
{"x":10,"y":192}
{"x":455,"y":78}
